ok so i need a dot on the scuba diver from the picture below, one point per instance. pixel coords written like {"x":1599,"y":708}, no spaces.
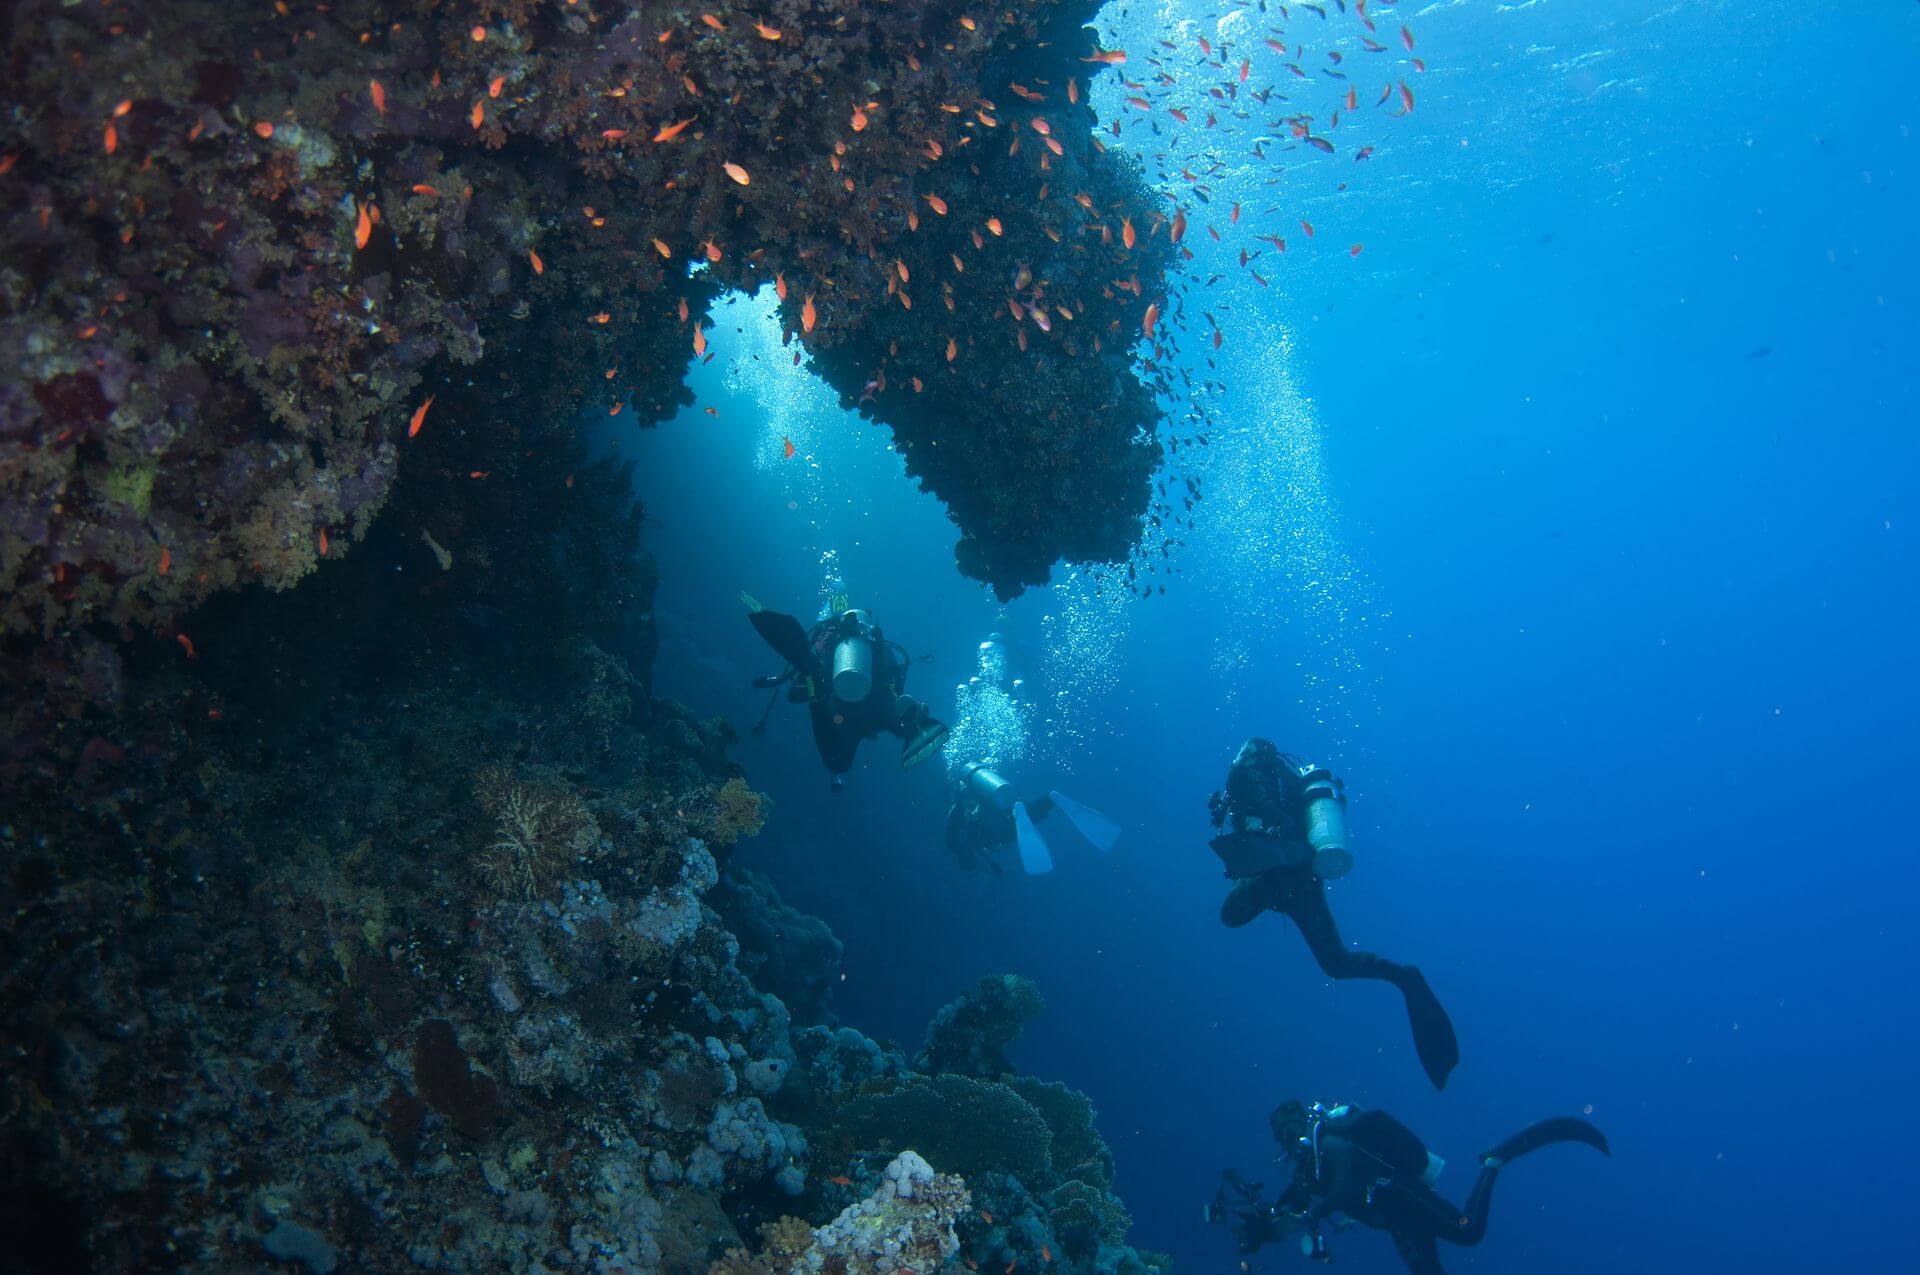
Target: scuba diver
{"x":853,"y":682}
{"x":1288,"y":838}
{"x":1374,"y":1170}
{"x":985,"y":819}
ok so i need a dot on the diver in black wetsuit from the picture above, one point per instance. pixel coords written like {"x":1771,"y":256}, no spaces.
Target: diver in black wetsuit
{"x":853,"y":682}
{"x":1374,"y":1170}
{"x":1287,"y":838}
{"x":984,"y":820}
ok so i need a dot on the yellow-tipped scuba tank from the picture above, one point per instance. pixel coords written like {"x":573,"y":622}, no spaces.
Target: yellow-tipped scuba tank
{"x":987,"y":787}
{"x":1326,"y":822}
{"x":853,"y":658}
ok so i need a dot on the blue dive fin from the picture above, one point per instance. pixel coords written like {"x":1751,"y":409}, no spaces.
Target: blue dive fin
{"x":1034,"y":855}
{"x":1088,"y":822}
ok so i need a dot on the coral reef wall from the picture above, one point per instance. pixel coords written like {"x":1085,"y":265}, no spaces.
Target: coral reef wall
{"x":254,"y":254}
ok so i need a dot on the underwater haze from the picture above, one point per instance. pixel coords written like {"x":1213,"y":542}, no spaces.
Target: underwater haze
{"x":1510,"y":407}
{"x":1573,"y":522}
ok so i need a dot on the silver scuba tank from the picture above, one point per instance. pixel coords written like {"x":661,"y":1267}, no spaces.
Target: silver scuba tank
{"x":853,"y":659}
{"x":988,"y":788}
{"x":1326,"y":820}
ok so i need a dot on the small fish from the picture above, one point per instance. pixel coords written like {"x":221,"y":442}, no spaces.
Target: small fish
{"x":1406,"y":38}
{"x":1151,"y":317}
{"x":1308,"y":227}
{"x":671,"y":131}
{"x":1178,"y":226}
{"x":1139,"y":103}
{"x":988,"y":1216}
{"x":786,"y":450}
{"x":421,"y":188}
{"x":736,"y":172}
{"x":539,"y":266}
{"x":612,"y":134}
{"x":780,"y":285}
{"x":713,"y":22}
{"x":1362,"y":153}
{"x":936,"y":203}
{"x":378,"y":92}
{"x":419,"y":417}
{"x":323,"y":542}
{"x":953,"y":350}
{"x":859,"y":121}
{"x":661,"y":248}
{"x":1046,"y":1254}
{"x":1320,"y":144}
{"x":1127,"y":235}
{"x":807,"y":314}
{"x":1406,"y":99}
{"x":766,"y":32}
{"x":166,"y":560}
{"x":1107,"y":57}
{"x":494,"y":85}
{"x":699,"y":341}
{"x":110,"y":139}
{"x":602,"y":318}
{"x":186,"y":644}
{"x":994,"y":227}
{"x":362,"y":227}
{"x":1354,"y":251}
{"x":478,"y":116}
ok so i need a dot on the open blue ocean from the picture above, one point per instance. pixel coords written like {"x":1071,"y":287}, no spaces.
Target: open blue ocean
{"x":531,"y":533}
{"x":1572,"y":522}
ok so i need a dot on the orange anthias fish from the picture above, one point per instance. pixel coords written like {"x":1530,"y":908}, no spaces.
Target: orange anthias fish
{"x":671,"y":131}
{"x":1107,"y":57}
{"x":166,"y":559}
{"x":419,"y":417}
{"x":1151,"y":317}
{"x":378,"y":92}
{"x":807,"y":314}
{"x":736,"y":172}
{"x":323,"y":542}
{"x":186,"y":644}
{"x":539,"y":266}
{"x":699,"y":341}
{"x":1127,"y":236}
{"x":786,"y":450}
{"x":362,"y":228}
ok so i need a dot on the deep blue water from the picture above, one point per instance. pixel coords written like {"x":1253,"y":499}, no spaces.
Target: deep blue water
{"x":1574,"y":523}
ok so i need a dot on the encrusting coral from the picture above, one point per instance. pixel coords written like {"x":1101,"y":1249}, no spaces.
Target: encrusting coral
{"x":255,"y":254}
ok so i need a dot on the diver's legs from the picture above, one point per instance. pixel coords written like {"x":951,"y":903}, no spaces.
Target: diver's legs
{"x":1469,"y":1226}
{"x":1419,"y":1252}
{"x":1433,"y":1035}
{"x":1245,"y":901}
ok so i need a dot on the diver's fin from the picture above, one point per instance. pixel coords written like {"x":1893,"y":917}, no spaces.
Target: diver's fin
{"x":1433,"y":1035}
{"x":789,"y":641}
{"x":750,"y":602}
{"x":1545,"y":1133}
{"x":1034,"y":855}
{"x":926,"y":740}
{"x":1088,"y":822}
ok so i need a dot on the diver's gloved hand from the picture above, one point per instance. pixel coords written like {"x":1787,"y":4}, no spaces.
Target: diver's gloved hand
{"x":1315,"y":1247}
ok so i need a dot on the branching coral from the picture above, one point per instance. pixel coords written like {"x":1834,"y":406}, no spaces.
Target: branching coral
{"x":739,"y":812}
{"x":539,"y":826}
{"x":971,"y":1035}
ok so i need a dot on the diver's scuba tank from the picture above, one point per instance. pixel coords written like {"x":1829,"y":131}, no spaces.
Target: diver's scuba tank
{"x":987,"y":787}
{"x":1326,"y":822}
{"x":853,"y":658}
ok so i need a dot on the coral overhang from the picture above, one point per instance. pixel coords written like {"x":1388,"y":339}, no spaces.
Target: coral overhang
{"x":245,"y":245}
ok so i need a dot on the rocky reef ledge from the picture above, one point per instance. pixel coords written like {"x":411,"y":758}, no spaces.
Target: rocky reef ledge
{"x":262,"y":258}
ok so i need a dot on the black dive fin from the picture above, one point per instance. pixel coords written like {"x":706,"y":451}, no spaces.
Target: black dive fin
{"x":1433,"y":1036}
{"x":1545,"y":1133}
{"x":787,"y":638}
